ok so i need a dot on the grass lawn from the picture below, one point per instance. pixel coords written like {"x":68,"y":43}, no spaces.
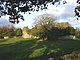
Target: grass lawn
{"x":33,"y":49}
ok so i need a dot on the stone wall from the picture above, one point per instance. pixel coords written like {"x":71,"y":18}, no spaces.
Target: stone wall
{"x":68,"y":37}
{"x":25,"y":34}
{"x":6,"y":37}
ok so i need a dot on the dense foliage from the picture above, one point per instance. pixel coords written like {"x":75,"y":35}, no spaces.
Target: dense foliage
{"x":46,"y":27}
{"x":13,"y":8}
{"x":7,"y":31}
{"x":77,"y":33}
{"x":18,"y":32}
{"x":10,"y":31}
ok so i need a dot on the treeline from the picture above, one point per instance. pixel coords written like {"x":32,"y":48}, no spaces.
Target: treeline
{"x":10,"y":31}
{"x":46,"y":27}
{"x":48,"y":32}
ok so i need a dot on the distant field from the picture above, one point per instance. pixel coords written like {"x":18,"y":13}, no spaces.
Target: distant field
{"x":33,"y":49}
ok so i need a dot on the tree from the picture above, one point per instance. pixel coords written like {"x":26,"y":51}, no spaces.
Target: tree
{"x":7,"y":31}
{"x":65,"y":28}
{"x":71,"y":30}
{"x":46,"y":27}
{"x":18,"y":32}
{"x":77,"y":32}
{"x":34,"y":31}
{"x":63,"y":25}
{"x":43,"y":25}
{"x":14,"y":7}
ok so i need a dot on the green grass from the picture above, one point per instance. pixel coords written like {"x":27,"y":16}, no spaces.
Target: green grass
{"x":33,"y":49}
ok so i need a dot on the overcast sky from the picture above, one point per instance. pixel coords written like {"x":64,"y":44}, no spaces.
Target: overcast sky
{"x":64,"y":13}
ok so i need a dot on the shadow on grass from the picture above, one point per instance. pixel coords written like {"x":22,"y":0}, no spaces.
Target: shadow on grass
{"x":37,"y":49}
{"x":2,"y":40}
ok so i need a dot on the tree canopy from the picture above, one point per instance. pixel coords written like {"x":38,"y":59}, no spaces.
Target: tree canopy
{"x":7,"y":31}
{"x":14,"y":7}
{"x":18,"y":32}
{"x":47,"y":28}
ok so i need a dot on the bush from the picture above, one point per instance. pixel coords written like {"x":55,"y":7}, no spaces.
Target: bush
{"x":18,"y":32}
{"x":77,"y":33}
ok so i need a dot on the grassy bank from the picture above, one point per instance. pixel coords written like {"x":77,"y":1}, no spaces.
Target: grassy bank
{"x":33,"y":49}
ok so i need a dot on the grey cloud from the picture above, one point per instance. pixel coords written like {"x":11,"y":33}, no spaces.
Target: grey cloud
{"x":68,"y":12}
{"x":4,"y":22}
